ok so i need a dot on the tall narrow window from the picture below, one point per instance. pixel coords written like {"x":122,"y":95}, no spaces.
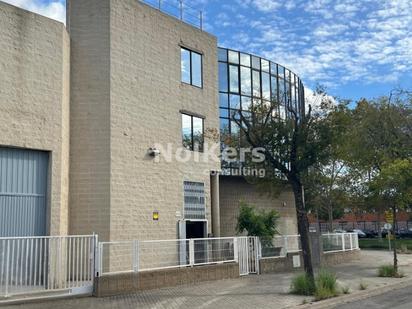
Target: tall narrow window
{"x":245,"y":81}
{"x":266,"y":86}
{"x":185,"y":65}
{"x":223,"y":78}
{"x":256,"y":83}
{"x":191,"y":67}
{"x":234,"y":78}
{"x":192,"y":132}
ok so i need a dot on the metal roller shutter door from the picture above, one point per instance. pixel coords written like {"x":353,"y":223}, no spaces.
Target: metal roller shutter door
{"x":23,"y":188}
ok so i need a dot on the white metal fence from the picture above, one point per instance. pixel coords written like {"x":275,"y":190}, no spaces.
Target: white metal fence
{"x":68,"y":263}
{"x":279,"y":246}
{"x":47,"y":263}
{"x":340,"y":242}
{"x":134,"y":255}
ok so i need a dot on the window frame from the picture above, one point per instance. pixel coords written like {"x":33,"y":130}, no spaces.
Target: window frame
{"x":191,"y":67}
{"x":192,"y":148}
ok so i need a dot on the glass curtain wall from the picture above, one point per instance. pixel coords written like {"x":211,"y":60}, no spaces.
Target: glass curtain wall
{"x":244,"y":80}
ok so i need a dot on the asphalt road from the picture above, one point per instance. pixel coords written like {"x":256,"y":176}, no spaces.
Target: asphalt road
{"x":397,"y":299}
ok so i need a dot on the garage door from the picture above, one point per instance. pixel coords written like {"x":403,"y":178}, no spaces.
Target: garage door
{"x":23,"y":187}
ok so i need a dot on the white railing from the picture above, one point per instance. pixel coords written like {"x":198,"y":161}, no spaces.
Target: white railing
{"x":178,"y":9}
{"x":279,"y":246}
{"x":47,"y":263}
{"x":135,"y":255}
{"x":340,"y":242}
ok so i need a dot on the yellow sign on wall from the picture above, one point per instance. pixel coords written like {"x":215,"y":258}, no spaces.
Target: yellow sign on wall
{"x":155,"y":215}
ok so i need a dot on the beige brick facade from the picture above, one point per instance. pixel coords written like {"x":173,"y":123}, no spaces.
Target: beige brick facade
{"x":97,"y":97}
{"x":126,"y":88}
{"x":236,"y":189}
{"x":34,"y":97}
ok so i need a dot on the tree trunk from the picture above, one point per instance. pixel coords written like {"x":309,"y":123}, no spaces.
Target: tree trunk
{"x":330,"y":214}
{"x":395,"y":255}
{"x":303,"y":228}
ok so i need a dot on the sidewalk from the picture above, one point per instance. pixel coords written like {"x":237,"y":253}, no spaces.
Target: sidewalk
{"x":264,"y":291}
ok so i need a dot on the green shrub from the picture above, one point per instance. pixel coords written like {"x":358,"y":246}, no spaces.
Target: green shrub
{"x":302,"y":285}
{"x":326,"y":286}
{"x":386,"y":271}
{"x":389,"y":271}
{"x":323,"y":293}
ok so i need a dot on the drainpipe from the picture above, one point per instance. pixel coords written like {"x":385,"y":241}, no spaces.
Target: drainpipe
{"x":214,"y":192}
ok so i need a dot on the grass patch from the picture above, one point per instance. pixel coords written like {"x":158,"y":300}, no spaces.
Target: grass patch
{"x":302,"y":285}
{"x":325,"y":285}
{"x":389,"y":271}
{"x":363,"y":286}
{"x":382,"y":244}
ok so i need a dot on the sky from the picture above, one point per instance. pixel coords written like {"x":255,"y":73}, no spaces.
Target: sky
{"x":355,"y":48}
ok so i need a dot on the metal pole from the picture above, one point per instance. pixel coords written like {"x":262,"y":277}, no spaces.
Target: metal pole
{"x":201,"y":20}
{"x":235,"y":249}
{"x":389,"y":240}
{"x":135,"y":255}
{"x":160,"y":5}
{"x":191,"y":252}
{"x":7,"y":268}
{"x":181,"y":9}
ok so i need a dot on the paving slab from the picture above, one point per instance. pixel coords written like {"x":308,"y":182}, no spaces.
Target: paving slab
{"x":254,"y":291}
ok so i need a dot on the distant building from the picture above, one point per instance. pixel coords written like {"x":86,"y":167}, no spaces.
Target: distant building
{"x":364,"y":221}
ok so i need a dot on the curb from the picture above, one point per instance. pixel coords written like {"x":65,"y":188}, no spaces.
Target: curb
{"x":361,"y":295}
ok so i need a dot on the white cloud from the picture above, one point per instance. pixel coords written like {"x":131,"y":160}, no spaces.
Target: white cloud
{"x":315,"y":99}
{"x":54,"y":9}
{"x":266,"y":5}
{"x":336,"y":42}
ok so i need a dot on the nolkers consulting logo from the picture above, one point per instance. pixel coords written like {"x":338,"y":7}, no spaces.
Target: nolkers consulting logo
{"x":235,"y":161}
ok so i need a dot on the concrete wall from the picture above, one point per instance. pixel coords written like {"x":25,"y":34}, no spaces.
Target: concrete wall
{"x":284,"y":264}
{"x":236,"y":189}
{"x":127,"y":96}
{"x":125,"y":283}
{"x":34,"y":97}
{"x":131,"y":282}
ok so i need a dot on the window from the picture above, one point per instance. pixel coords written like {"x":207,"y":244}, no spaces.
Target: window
{"x":223,"y":78}
{"x":274,"y":86}
{"x":194,"y":200}
{"x":245,"y":60}
{"x":256,"y":83}
{"x":222,"y":54}
{"x":273,"y":68}
{"x":265,"y":65}
{"x":233,"y":57}
{"x":191,"y":67}
{"x":266,"y":85}
{"x":234,"y":78}
{"x":256,"y":63}
{"x":192,"y":132}
{"x":234,"y":101}
{"x":245,"y":81}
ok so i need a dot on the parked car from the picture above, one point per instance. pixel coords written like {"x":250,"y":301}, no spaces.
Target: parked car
{"x":371,"y":233}
{"x":361,"y":234}
{"x":339,"y":231}
{"x":406,"y":233}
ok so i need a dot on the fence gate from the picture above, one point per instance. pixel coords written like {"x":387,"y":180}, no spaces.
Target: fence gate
{"x":248,"y":254}
{"x":44,"y":265}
